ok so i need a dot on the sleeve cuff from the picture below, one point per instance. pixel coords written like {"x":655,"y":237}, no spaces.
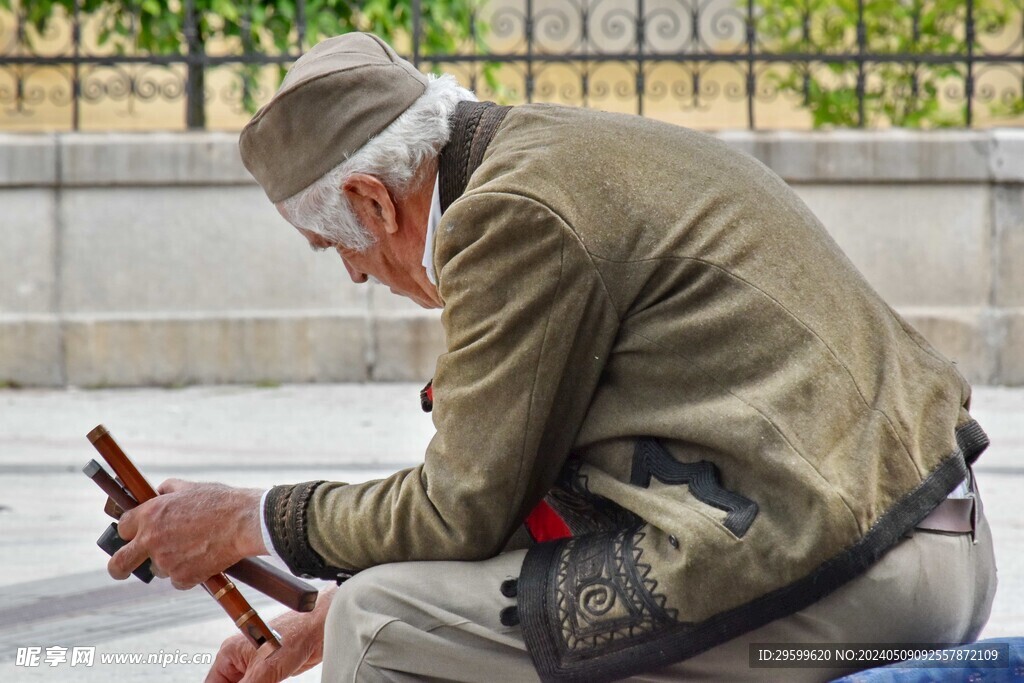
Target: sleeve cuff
{"x":286,"y":523}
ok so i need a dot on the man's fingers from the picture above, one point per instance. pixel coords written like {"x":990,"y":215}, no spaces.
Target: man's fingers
{"x":128,"y":525}
{"x":263,"y":669}
{"x":184,"y":585}
{"x":125,"y":560}
{"x":222,"y":673}
{"x":231,"y":662}
{"x":224,"y":670}
{"x":173,"y":485}
{"x":157,"y":571}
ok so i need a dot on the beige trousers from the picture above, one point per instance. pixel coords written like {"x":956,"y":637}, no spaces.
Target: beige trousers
{"x":439,"y":620}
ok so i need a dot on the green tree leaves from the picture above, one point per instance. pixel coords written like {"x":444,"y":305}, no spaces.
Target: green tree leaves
{"x":906,"y":91}
{"x":254,"y":26}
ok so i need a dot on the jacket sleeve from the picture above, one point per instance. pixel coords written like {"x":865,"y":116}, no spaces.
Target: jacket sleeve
{"x":528,"y":328}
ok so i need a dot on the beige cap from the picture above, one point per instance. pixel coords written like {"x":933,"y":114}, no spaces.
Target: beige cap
{"x":334,"y":99}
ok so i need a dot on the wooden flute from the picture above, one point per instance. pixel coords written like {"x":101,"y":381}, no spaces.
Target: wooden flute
{"x":290,"y":591}
{"x":223,"y":590}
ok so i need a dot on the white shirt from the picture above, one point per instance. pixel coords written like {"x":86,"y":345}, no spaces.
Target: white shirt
{"x":432,"y":221}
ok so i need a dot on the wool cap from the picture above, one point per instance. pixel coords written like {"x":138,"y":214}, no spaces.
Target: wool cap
{"x":334,"y":99}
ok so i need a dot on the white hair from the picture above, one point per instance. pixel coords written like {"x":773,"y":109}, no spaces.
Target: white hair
{"x":395,"y":156}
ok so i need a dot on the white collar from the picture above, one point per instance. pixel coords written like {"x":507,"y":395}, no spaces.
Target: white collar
{"x":432,"y":222}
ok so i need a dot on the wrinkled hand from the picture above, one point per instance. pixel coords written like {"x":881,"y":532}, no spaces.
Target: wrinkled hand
{"x":191,"y":531}
{"x":302,"y":648}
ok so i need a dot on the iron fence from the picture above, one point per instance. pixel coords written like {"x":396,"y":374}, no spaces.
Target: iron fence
{"x":853,"y":62}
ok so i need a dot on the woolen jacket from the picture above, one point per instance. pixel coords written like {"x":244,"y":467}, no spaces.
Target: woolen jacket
{"x":650,"y":332}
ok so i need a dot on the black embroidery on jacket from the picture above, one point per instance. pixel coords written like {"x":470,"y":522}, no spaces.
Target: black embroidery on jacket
{"x":652,"y":459}
{"x":582,"y":511}
{"x":565,"y":585}
{"x":604,"y":595}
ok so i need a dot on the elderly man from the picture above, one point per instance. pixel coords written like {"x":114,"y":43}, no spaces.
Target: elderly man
{"x":672,"y":418}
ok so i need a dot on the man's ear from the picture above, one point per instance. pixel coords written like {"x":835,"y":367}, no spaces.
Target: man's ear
{"x":371,"y":201}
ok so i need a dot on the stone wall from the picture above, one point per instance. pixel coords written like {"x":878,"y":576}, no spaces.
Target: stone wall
{"x":138,"y":259}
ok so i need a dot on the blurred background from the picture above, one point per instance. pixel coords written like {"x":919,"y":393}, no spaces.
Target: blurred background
{"x":136,"y":250}
{"x":146,"y":64}
{"x":147,"y":283}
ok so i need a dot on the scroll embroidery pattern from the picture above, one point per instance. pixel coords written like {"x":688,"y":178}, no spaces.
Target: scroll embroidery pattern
{"x":604,"y":594}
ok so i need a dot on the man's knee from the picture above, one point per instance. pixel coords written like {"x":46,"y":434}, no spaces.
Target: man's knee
{"x":356,"y":617}
{"x":357,"y":600}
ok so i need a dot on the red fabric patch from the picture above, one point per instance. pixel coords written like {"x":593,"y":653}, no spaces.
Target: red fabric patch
{"x":544,"y":524}
{"x":427,"y":397}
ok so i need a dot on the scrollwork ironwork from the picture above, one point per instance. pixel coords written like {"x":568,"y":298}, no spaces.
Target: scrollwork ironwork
{"x":617,"y":29}
{"x":554,"y":31}
{"x":664,"y":24}
{"x":21,"y":94}
{"x":689,"y":55}
{"x":728,"y":24}
{"x":1005,"y":41}
{"x":507,"y":23}
{"x":1006,"y":92}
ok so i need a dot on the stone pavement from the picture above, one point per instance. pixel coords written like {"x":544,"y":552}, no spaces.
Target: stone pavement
{"x":53,"y":587}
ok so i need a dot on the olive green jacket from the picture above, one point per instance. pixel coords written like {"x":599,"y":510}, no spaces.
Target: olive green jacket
{"x":653,"y":332}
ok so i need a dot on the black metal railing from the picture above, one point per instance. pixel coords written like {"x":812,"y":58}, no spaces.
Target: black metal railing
{"x":850,"y":62}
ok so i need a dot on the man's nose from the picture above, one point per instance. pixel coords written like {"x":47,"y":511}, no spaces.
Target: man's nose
{"x":357,"y":275}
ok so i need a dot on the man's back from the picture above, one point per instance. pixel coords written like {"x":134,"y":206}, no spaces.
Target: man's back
{"x":729,"y":335}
